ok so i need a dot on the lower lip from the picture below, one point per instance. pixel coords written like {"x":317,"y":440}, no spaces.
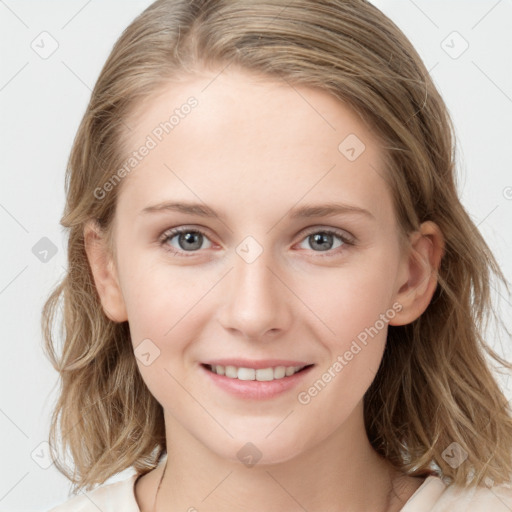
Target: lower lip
{"x":255,"y":389}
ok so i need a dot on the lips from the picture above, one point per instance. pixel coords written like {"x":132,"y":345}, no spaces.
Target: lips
{"x":256,"y":364}
{"x":260,"y":370}
{"x":250,"y":379}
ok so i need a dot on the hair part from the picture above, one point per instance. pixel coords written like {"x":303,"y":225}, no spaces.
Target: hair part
{"x":434,"y":386}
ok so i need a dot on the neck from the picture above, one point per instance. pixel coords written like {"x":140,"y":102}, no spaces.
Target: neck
{"x":334,"y":475}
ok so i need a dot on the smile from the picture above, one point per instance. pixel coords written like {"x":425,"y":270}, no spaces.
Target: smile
{"x":260,"y":374}
{"x":251,"y":379}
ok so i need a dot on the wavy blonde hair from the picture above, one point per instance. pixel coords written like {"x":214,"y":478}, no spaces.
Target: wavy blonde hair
{"x":434,"y":385}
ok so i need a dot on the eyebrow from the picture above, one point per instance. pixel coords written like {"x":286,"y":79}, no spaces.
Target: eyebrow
{"x":307,"y":211}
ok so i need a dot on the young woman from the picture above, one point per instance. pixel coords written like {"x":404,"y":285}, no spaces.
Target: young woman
{"x":275,"y":299}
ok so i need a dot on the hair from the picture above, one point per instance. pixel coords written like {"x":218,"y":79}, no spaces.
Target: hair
{"x":434,"y":386}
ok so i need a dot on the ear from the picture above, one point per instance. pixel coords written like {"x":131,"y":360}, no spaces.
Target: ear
{"x":104,"y":272}
{"x":418,"y":273}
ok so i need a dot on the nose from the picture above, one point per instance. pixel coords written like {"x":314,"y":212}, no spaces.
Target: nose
{"x":256,"y":301}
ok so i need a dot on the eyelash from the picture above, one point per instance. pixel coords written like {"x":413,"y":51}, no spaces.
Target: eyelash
{"x":171,"y":233}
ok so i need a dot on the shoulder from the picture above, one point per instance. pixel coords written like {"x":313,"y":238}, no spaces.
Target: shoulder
{"x":435,"y":496}
{"x":497,"y":498}
{"x":107,"y":498}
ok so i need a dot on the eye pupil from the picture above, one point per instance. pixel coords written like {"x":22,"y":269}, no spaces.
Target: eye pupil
{"x":193,"y":240}
{"x":323,"y":241}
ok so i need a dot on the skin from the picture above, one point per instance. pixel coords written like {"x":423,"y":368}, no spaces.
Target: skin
{"x":252,"y":150}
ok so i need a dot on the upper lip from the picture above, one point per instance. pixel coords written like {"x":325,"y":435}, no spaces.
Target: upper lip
{"x":256,"y":364}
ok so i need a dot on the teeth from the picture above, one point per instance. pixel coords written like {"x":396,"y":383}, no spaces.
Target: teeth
{"x":264,"y":374}
{"x":246,"y":373}
{"x":280,"y":372}
{"x":261,"y":374}
{"x":231,"y":371}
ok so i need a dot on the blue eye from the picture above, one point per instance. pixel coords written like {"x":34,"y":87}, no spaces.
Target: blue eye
{"x":180,"y":241}
{"x":325,"y":241}
{"x":188,"y":240}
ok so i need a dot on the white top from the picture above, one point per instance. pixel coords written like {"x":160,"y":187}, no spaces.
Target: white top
{"x":432,"y":496}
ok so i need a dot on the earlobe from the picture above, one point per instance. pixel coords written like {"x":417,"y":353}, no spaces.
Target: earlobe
{"x":420,"y":268}
{"x":104,"y":273}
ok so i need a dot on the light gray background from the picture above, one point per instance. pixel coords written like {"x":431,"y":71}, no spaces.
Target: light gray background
{"x":42,"y":101}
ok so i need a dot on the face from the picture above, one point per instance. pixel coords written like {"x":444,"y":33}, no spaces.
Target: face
{"x":288,"y":255}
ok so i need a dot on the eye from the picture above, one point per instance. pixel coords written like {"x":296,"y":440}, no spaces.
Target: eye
{"x":325,"y":240}
{"x":180,"y":240}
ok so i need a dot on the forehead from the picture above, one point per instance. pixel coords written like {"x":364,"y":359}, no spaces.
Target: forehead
{"x":248,"y":137}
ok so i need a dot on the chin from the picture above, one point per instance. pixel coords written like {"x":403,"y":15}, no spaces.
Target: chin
{"x":255,"y":449}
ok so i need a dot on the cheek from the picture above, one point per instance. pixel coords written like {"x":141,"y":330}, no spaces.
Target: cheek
{"x":359,"y":319}
{"x":158,"y":297}
{"x":355,"y":311}
{"x":352,"y":299}
{"x":162,"y":315}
